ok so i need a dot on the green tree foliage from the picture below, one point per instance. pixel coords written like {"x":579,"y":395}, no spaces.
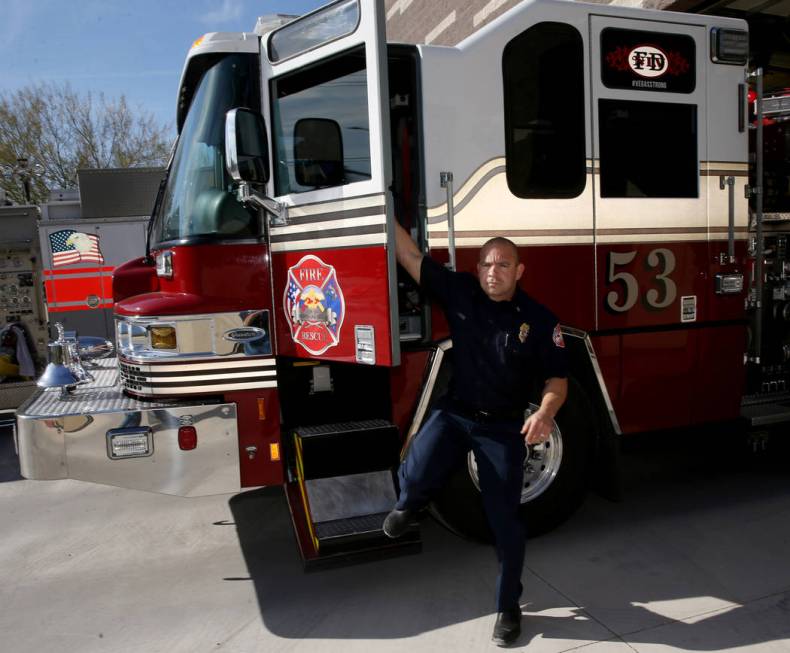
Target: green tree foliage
{"x":58,"y":131}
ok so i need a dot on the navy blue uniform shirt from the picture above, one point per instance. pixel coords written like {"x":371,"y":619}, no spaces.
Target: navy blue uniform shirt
{"x":503,"y":352}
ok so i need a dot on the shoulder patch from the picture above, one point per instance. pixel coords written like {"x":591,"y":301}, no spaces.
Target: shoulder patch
{"x":557,"y":337}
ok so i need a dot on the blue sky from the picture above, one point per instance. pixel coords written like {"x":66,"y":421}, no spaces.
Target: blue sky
{"x":131,"y":47}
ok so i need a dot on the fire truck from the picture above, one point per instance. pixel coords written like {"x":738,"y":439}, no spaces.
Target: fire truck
{"x":268,"y":336}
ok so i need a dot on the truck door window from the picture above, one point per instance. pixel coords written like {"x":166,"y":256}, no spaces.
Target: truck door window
{"x":310,"y":31}
{"x":543,"y":74}
{"x":334,"y":91}
{"x":648,"y":149}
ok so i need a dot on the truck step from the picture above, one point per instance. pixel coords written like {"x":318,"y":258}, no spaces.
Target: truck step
{"x":767,"y":413}
{"x":343,"y":489}
{"x":359,"y":539}
{"x":330,"y":450}
{"x":343,"y":552}
{"x":362,"y":526}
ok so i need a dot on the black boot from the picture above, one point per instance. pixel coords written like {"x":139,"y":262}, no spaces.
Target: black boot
{"x":507,"y":627}
{"x":398,"y":521}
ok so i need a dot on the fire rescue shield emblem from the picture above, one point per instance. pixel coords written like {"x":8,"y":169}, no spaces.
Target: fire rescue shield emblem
{"x":314,"y":304}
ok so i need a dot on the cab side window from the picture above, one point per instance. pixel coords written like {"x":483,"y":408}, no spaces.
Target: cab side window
{"x":543,"y":75}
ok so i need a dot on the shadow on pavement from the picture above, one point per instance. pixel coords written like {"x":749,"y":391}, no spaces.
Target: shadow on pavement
{"x":693,"y":558}
{"x":605,"y":575}
{"x":393,"y":598}
{"x":9,"y":462}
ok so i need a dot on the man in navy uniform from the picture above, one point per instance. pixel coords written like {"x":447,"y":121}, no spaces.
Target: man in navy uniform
{"x":507,"y":350}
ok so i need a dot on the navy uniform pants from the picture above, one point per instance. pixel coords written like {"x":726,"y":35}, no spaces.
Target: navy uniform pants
{"x":440,"y":447}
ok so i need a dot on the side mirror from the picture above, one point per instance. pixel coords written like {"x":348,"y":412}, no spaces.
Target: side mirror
{"x":318,"y":152}
{"x":246,"y":146}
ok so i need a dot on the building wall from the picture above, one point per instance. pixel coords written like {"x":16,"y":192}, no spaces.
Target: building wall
{"x":447,"y":22}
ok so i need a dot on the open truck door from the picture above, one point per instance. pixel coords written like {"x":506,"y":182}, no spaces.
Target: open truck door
{"x":329,"y":213}
{"x":332,"y":245}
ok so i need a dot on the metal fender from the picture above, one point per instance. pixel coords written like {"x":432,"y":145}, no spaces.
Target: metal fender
{"x":584,"y":368}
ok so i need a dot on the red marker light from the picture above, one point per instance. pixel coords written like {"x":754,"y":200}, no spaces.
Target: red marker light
{"x":187,"y":438}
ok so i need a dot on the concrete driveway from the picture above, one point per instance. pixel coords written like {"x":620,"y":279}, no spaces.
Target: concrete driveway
{"x":695,"y":558}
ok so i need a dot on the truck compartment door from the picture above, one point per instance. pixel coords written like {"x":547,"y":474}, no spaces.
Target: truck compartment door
{"x":651,"y":158}
{"x":333,"y":264}
{"x":661,"y":218}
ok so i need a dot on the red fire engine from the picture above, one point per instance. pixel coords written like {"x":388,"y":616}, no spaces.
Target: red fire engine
{"x":268,"y":336}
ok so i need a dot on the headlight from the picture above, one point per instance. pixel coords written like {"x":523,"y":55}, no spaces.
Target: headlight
{"x":130,"y":442}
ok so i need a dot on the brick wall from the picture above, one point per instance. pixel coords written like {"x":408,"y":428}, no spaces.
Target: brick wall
{"x":446,"y":22}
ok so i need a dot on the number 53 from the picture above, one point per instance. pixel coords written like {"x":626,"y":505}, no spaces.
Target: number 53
{"x":660,"y":259}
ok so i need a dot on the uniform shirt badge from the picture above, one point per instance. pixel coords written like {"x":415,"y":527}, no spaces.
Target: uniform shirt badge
{"x":557,"y":337}
{"x":523,"y":332}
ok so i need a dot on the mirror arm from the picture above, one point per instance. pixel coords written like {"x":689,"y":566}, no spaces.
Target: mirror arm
{"x":247,"y":195}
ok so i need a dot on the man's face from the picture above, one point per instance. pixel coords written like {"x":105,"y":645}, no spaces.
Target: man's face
{"x":499,"y":271}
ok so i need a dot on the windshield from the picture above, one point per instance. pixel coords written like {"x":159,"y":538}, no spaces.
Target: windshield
{"x":198,"y":199}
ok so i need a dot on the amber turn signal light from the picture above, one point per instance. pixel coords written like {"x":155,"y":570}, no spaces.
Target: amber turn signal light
{"x":163,"y":337}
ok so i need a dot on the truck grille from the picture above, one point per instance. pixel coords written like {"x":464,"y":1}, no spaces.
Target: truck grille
{"x":197,"y":376}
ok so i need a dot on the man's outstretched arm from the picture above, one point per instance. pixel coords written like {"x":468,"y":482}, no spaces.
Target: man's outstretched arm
{"x":407,"y":253}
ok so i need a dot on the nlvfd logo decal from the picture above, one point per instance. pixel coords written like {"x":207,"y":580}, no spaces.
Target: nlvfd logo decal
{"x":314,"y":304}
{"x":647,"y":61}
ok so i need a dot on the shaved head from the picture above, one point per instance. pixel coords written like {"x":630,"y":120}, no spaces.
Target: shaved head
{"x":498,"y":269}
{"x":499,"y":241}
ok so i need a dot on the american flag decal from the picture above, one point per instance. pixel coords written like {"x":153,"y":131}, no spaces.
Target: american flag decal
{"x":70,"y":246}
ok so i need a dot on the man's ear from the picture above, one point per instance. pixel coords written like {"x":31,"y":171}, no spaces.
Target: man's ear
{"x":519,"y":271}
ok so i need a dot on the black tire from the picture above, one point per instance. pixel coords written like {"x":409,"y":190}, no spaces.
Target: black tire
{"x":459,"y":507}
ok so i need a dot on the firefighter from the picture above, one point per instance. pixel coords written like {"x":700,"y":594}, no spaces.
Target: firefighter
{"x":504,"y":344}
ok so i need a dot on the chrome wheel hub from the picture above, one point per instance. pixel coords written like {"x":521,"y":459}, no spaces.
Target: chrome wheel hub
{"x":541,"y":465}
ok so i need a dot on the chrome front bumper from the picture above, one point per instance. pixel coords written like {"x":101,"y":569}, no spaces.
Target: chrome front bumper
{"x":67,"y":438}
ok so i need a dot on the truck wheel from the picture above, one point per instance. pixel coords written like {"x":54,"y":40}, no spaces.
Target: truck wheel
{"x":555,"y":478}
